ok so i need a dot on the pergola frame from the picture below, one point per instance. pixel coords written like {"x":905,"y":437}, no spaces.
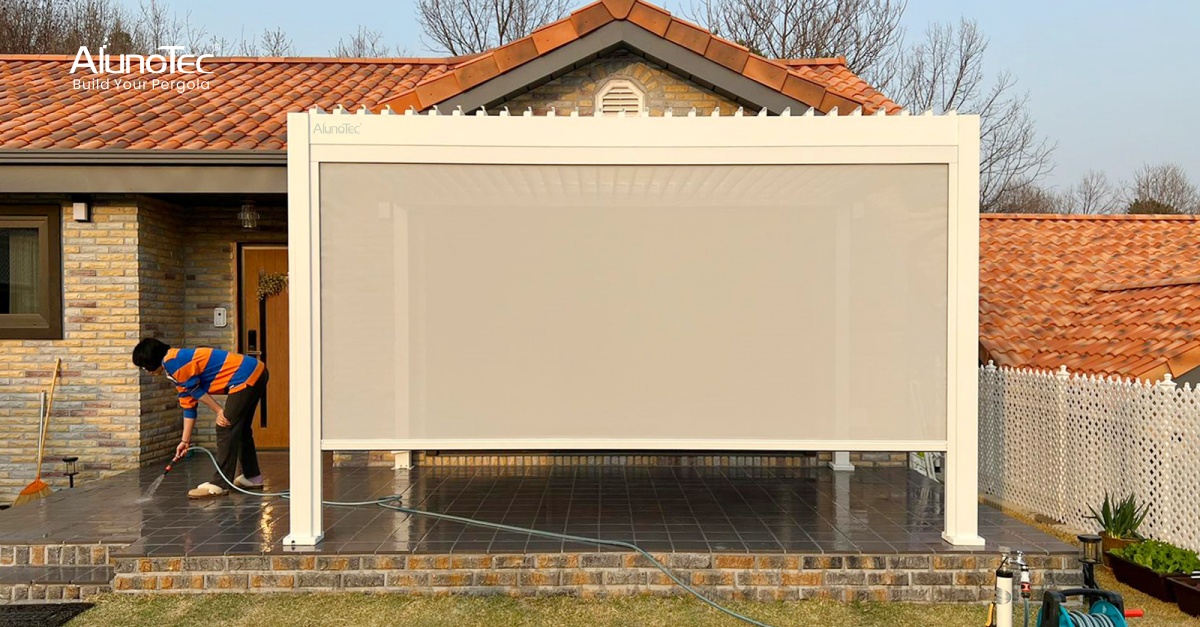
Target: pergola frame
{"x":316,"y":138}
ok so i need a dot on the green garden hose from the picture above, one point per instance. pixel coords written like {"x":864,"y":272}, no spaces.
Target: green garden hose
{"x":391,"y":502}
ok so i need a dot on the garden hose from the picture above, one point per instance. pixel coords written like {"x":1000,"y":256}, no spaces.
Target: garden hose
{"x":391,"y":502}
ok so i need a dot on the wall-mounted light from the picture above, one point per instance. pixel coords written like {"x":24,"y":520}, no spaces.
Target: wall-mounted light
{"x":248,"y":215}
{"x":82,"y":211}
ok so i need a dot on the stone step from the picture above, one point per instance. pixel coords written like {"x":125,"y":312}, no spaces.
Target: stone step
{"x":50,"y":584}
{"x":82,"y":575}
{"x":17,"y":555}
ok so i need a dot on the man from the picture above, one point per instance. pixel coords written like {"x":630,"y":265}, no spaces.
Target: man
{"x":198,"y":373}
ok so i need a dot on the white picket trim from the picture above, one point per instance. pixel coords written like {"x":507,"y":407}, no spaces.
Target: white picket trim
{"x":1053,"y":443}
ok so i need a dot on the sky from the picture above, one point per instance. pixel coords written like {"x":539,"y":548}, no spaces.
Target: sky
{"x":1110,"y":82}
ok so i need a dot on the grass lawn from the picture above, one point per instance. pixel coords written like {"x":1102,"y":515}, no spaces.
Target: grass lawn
{"x":387,"y":610}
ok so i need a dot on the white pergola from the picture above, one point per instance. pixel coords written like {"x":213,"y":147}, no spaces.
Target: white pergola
{"x":799,"y":283}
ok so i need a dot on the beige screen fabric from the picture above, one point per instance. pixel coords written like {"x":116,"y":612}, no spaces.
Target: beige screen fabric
{"x":669,"y":303}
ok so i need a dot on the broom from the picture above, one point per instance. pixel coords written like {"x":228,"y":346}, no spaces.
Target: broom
{"x":39,"y":489}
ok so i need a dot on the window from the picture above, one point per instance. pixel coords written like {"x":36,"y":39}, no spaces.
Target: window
{"x":30,"y":273}
{"x":620,"y":95}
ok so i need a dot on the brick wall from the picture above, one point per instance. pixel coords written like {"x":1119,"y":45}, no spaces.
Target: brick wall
{"x":161,"y":298}
{"x":909,"y":578}
{"x":576,"y":90}
{"x":139,"y":268}
{"x":96,"y":404}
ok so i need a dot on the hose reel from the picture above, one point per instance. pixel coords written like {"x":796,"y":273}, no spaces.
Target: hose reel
{"x":1103,"y":608}
{"x":1107,"y":609}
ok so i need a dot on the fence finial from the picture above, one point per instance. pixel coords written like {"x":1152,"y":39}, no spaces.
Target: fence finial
{"x":1166,"y":382}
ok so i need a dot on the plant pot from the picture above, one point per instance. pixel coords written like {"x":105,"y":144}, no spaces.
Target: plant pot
{"x":1108,"y":543}
{"x":1187,"y":594}
{"x":1143,"y":579}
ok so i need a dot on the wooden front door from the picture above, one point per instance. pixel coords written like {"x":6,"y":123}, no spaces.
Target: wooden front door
{"x":264,"y":335}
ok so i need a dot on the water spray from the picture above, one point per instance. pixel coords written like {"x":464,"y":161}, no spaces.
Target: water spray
{"x":158,"y":481}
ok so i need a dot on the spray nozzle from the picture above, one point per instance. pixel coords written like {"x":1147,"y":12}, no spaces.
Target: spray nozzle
{"x":173,"y":461}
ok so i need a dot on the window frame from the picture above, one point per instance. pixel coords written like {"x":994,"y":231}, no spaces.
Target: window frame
{"x":48,"y":323}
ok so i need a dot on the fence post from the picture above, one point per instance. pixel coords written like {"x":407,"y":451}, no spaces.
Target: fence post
{"x":1063,"y":381}
{"x":1164,"y":439}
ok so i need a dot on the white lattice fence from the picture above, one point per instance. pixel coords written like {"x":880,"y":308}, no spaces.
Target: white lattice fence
{"x":1053,"y":443}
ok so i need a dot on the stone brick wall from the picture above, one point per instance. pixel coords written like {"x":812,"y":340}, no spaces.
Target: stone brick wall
{"x":576,"y":90}
{"x":139,"y":268}
{"x":96,"y":404}
{"x":161,"y":302}
{"x":56,"y":555}
{"x":913,"y":578}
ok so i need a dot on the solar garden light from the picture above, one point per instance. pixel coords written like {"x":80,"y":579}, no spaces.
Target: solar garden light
{"x":1089,"y":556}
{"x":70,"y":471}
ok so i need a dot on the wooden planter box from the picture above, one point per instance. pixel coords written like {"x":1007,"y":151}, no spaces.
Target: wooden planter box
{"x":1141,"y":578}
{"x":1187,"y":593}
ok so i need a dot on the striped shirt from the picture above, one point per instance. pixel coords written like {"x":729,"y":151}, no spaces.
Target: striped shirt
{"x":199,"y":371}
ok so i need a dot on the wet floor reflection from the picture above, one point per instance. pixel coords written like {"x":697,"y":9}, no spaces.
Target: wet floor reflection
{"x":681,"y":509}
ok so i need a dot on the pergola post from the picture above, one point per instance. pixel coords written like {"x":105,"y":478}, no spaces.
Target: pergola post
{"x":304,"y":306}
{"x":962,"y":382}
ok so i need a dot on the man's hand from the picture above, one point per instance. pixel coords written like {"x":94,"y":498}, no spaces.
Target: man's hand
{"x":222,"y":421}
{"x":181,"y":449}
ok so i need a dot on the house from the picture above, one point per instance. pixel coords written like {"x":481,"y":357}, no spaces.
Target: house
{"x":1107,"y":294}
{"x":131,"y":208}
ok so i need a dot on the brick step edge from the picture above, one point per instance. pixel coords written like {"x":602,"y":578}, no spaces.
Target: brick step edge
{"x":57,"y":554}
{"x":913,"y":578}
{"x":55,"y":575}
{"x":26,"y":592}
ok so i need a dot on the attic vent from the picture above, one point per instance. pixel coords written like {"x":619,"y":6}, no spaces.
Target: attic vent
{"x":620,"y":95}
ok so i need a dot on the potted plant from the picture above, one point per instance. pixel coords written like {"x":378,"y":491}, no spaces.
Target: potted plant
{"x":1149,"y":565}
{"x":1119,"y":523}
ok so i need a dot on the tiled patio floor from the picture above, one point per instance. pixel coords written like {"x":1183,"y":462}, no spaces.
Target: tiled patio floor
{"x":719,"y":510}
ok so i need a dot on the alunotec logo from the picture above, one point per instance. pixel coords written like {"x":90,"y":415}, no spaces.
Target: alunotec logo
{"x":170,"y":62}
{"x":344,"y":128}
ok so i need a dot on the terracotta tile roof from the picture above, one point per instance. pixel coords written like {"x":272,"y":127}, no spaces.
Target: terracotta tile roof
{"x":834,"y":73}
{"x":245,"y":109}
{"x":1099,"y":294}
{"x":820,"y":83}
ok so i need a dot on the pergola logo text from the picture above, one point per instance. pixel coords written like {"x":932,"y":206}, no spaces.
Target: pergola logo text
{"x":336,"y":129}
{"x":170,"y":62}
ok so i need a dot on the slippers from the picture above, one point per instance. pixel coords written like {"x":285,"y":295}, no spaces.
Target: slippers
{"x":244,"y":483}
{"x":206,"y":490}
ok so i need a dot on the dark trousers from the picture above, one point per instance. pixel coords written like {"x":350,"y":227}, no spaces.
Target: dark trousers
{"x":236,"y":442}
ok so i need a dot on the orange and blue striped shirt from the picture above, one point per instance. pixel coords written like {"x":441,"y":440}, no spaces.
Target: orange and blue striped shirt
{"x":199,"y":371}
